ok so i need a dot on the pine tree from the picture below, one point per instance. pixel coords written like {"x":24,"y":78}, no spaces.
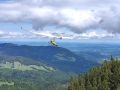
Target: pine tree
{"x":104,"y":77}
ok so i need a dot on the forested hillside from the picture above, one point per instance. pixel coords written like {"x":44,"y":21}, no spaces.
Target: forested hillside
{"x":58,"y":57}
{"x":19,"y":73}
{"x":105,"y":77}
{"x":25,"y":67}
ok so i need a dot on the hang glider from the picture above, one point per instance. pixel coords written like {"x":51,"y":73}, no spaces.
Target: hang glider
{"x":53,"y":42}
{"x":52,"y":36}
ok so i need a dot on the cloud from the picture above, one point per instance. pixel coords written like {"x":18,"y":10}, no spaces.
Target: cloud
{"x":15,"y":35}
{"x":79,"y":16}
{"x":32,"y":34}
{"x":86,"y":35}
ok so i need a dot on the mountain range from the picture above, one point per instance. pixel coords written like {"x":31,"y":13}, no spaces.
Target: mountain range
{"x":24,"y":67}
{"x":58,"y":57}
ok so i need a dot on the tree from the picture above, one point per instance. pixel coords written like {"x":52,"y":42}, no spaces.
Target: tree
{"x":104,"y":77}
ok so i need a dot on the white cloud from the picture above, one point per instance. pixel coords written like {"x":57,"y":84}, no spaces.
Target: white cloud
{"x":15,"y":35}
{"x":31,"y":34}
{"x":79,"y":16}
{"x":86,"y":35}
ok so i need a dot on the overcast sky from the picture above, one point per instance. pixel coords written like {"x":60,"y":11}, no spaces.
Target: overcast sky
{"x":71,"y":19}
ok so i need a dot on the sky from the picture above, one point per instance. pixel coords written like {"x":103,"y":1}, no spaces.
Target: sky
{"x":69,"y":19}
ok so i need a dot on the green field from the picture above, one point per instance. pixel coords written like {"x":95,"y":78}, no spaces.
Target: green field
{"x":19,"y":66}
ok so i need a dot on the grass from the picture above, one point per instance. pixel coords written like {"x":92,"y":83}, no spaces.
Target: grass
{"x":6,"y":83}
{"x":19,"y":66}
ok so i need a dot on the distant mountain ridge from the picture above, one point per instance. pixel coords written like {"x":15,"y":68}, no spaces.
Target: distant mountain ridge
{"x":57,"y":57}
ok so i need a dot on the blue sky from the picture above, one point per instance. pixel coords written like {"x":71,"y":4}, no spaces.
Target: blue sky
{"x":69,"y":19}
{"x":4,"y":0}
{"x":14,"y":26}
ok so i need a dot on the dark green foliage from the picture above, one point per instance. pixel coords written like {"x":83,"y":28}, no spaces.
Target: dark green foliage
{"x":30,"y":80}
{"x":104,"y":77}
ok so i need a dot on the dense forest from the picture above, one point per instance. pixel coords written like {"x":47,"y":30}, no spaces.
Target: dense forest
{"x":21,"y":70}
{"x":19,"y":73}
{"x":104,"y":77}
